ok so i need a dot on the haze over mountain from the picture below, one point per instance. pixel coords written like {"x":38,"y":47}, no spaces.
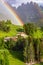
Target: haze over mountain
{"x":41,"y":7}
{"x":29,"y":12}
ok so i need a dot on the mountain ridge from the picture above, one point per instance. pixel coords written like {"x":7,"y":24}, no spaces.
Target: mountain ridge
{"x":30,"y":12}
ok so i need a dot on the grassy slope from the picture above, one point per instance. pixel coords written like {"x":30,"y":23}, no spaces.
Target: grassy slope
{"x":38,"y":34}
{"x":13,"y":31}
{"x":12,"y":60}
{"x":39,"y":64}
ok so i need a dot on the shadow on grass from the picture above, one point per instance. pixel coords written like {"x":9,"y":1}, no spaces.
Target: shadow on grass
{"x":17,"y":55}
{"x":20,"y":30}
{"x":41,"y":63}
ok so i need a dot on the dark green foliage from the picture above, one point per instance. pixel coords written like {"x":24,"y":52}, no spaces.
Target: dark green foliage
{"x":1,"y":62}
{"x":42,"y":28}
{"x":37,"y":49}
{"x":3,"y":58}
{"x":15,"y":45}
{"x":26,"y":51}
{"x":20,"y":30}
{"x":29,"y":28}
{"x":6,"y":58}
{"x":19,"y":44}
{"x":8,"y":22}
{"x":4,"y":27}
{"x":29,"y":50}
{"x":17,"y":54}
{"x":41,"y":47}
{"x":10,"y":44}
{"x":41,"y":63}
{"x":1,"y":43}
{"x":33,"y":45}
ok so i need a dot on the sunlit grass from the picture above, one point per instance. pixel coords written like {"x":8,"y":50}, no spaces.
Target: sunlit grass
{"x":12,"y":60}
{"x":38,"y":34}
{"x":13,"y":31}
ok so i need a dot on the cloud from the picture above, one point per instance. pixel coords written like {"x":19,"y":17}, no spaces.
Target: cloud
{"x":25,"y":1}
{"x":19,"y":2}
{"x":10,"y":1}
{"x":37,"y":1}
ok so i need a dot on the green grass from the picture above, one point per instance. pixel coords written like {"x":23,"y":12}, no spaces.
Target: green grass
{"x":15,"y":58}
{"x":38,"y":34}
{"x":13,"y":31}
{"x":12,"y":58}
{"x":39,"y":64}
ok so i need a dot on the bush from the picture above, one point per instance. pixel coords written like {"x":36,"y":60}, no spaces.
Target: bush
{"x":4,"y":27}
{"x":3,"y":58}
{"x":10,"y":44}
{"x":2,"y":43}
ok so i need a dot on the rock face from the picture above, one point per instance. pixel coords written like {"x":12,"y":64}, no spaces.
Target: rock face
{"x":29,"y":12}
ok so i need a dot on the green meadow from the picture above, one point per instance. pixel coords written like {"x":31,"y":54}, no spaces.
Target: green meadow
{"x":13,"y":31}
{"x":10,"y":58}
{"x":6,"y":56}
{"x":38,"y":34}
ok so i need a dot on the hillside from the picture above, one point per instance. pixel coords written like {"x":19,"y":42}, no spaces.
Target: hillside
{"x":10,"y":54}
{"x":8,"y":58}
{"x":13,"y":31}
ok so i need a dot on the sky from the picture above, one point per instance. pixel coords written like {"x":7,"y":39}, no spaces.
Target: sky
{"x":6,"y":14}
{"x":19,"y":2}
